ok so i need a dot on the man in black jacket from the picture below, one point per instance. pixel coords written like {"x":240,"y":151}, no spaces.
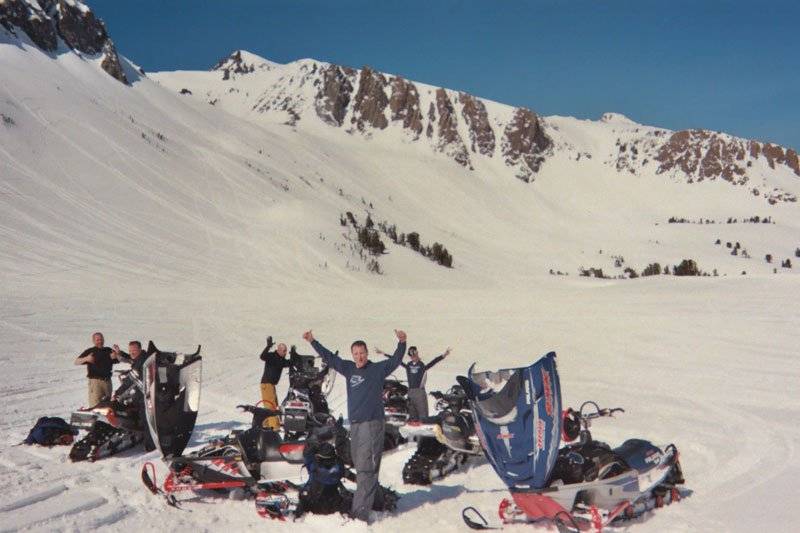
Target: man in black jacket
{"x":274,"y":363}
{"x":99,"y":360}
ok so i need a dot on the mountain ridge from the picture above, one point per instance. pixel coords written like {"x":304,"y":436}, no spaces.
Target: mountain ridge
{"x":467,"y":128}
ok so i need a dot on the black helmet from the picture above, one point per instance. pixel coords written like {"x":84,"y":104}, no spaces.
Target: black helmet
{"x":571,"y":425}
{"x":325,"y":454}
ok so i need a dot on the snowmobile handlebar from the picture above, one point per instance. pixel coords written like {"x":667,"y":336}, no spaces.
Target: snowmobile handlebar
{"x":252,"y":409}
{"x":314,"y":420}
{"x":598,"y":411}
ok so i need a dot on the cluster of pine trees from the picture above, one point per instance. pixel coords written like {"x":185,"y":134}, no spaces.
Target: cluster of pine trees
{"x":369,"y":236}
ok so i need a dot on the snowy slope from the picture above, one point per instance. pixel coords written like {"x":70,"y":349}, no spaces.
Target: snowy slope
{"x":145,"y":213}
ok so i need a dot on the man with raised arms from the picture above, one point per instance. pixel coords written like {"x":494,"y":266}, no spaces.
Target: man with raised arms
{"x":365,"y":412}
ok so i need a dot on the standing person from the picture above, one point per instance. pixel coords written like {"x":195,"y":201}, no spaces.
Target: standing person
{"x":135,"y":357}
{"x":416,"y":373}
{"x":365,"y":411}
{"x":274,"y":363}
{"x":98,"y":360}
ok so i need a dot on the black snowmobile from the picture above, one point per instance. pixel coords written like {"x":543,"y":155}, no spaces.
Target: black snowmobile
{"x":253,"y":460}
{"x":583,"y":486}
{"x":306,"y":397}
{"x":121,"y":422}
{"x":395,"y":412}
{"x":395,"y":402}
{"x":445,"y":441}
{"x":113,"y":425}
{"x":324,"y":492}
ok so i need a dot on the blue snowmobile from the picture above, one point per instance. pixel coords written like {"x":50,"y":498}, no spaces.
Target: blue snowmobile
{"x":586,"y":485}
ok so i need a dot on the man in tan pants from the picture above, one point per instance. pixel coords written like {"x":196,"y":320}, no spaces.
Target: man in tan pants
{"x":274,"y":363}
{"x":99,"y":360}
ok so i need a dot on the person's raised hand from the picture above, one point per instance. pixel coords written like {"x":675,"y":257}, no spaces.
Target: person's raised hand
{"x":308,"y":336}
{"x":447,"y":352}
{"x":401,"y":335}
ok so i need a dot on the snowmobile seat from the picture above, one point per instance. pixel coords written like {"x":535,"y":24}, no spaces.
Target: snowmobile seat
{"x":269,"y":443}
{"x":639,"y":454}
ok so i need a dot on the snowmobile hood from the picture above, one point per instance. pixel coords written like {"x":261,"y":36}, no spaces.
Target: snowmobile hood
{"x":518,"y":420}
{"x":172,"y":397}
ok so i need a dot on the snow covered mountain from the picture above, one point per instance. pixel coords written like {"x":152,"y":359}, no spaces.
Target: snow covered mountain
{"x":469,"y":129}
{"x":218,"y":207}
{"x":319,"y":140}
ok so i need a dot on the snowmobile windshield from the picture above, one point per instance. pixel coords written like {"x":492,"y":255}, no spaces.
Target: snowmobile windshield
{"x":499,"y":405}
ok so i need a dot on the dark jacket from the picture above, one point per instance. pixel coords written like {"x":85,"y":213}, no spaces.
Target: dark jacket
{"x":101,"y":368}
{"x":136,"y":364}
{"x":416,"y":372}
{"x":364,"y":385}
{"x":273,"y":365}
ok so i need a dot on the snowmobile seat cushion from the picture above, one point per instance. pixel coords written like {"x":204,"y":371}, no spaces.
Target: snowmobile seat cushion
{"x":268,"y":445}
{"x":639,"y":454}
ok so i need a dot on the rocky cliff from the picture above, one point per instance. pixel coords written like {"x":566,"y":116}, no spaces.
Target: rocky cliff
{"x":47,"y":23}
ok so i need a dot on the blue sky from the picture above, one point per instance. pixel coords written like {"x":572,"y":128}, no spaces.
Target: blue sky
{"x":723,"y":65}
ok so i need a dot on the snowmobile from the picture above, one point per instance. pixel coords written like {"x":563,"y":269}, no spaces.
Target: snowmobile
{"x":121,"y":422}
{"x":113,"y":425}
{"x":395,"y":412}
{"x":445,"y":441}
{"x":324,"y":492}
{"x":253,"y":460}
{"x":308,"y":389}
{"x":586,"y":485}
{"x":395,"y":402}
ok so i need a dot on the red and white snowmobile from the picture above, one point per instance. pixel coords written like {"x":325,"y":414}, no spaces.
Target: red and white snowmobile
{"x":254,"y":461}
{"x":587,"y":485}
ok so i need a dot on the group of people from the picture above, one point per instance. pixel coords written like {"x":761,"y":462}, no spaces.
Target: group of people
{"x":100,"y":361}
{"x":364,"y":382}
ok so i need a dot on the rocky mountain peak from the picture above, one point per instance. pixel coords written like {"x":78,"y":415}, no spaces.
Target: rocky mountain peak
{"x":241,"y":62}
{"x":617,"y":118}
{"x":47,"y":21}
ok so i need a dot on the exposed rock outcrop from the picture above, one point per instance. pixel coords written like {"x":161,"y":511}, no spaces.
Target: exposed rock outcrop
{"x":30,"y":18}
{"x":524,"y":143}
{"x":778,"y":155}
{"x":449,"y":140}
{"x":404,"y":105}
{"x":702,"y":154}
{"x":333,"y":96}
{"x":44,"y":21}
{"x":370,"y":103}
{"x":477,"y":119}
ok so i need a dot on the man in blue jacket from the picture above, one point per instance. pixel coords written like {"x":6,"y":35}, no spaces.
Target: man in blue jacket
{"x":365,"y":412}
{"x":416,"y":374}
